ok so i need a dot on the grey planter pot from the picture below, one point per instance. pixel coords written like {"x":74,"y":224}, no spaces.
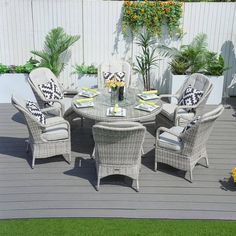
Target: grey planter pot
{"x":87,"y":81}
{"x":16,"y":84}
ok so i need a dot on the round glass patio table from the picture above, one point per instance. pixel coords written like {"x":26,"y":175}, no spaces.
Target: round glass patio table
{"x":103,"y":101}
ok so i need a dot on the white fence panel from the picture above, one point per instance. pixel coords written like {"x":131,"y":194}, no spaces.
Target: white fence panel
{"x":16,"y":31}
{"x":25,"y":23}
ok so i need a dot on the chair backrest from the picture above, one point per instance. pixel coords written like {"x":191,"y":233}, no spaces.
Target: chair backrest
{"x":199,"y":82}
{"x":33,"y":125}
{"x":118,"y":142}
{"x":195,"y":138}
{"x":114,"y":66}
{"x":40,"y":76}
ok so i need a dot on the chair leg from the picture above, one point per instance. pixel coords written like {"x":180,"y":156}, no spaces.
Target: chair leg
{"x":155,"y":165}
{"x":191,"y":175}
{"x":82,"y":122}
{"x":98,"y":183}
{"x":27,"y":145}
{"x":67,"y":157}
{"x":93,"y":153}
{"x":137,"y":185}
{"x":142,"y":151}
{"x":207,"y":162}
{"x":33,"y":162}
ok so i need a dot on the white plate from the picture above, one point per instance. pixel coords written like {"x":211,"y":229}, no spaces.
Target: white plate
{"x":88,"y":94}
{"x":148,"y":96}
{"x":84,"y":105}
{"x":146,"y":107}
{"x":121,"y":112}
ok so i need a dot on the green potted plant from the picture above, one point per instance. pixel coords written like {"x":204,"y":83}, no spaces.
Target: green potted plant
{"x":56,"y":50}
{"x":147,"y":59}
{"x":196,"y":58}
{"x":87,"y":75}
{"x":14,"y":79}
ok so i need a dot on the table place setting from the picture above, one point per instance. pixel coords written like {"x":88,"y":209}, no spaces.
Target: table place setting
{"x":148,"y":95}
{"x":84,"y":102}
{"x":116,"y":111}
{"x":88,"y":92}
{"x":146,"y":106}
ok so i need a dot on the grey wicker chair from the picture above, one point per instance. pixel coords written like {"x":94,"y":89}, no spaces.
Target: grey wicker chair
{"x":170,"y":113}
{"x":114,"y":66}
{"x":183,"y":150}
{"x":118,"y":149}
{"x":42,"y":75}
{"x":47,"y":140}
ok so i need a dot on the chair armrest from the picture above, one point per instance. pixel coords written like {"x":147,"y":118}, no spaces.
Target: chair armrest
{"x":165,"y":130}
{"x":57,"y":101}
{"x":181,"y":107}
{"x":51,"y":109}
{"x":183,"y":118}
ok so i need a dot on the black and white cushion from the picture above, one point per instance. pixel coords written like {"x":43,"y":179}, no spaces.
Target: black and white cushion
{"x":191,"y":124}
{"x":36,"y":112}
{"x":108,"y":75}
{"x":120,"y":76}
{"x":51,"y":91}
{"x":191,"y":96}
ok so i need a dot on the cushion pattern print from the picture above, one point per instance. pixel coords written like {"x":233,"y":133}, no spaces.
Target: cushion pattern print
{"x":51,"y":91}
{"x":36,"y":112}
{"x":108,"y":75}
{"x":191,"y":96}
{"x":120,"y":76}
{"x":191,"y":123}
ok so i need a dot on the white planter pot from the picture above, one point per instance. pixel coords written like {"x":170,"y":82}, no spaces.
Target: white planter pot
{"x":87,"y":81}
{"x":216,"y":93}
{"x":16,"y":84}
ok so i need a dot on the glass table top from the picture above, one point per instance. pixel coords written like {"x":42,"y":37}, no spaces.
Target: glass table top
{"x":103,"y":101}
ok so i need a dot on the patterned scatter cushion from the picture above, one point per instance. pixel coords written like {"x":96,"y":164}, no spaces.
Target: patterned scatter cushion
{"x":35,"y":111}
{"x":191,"y":96}
{"x":51,"y":91}
{"x":120,"y":76}
{"x":108,"y":75}
{"x":191,"y":124}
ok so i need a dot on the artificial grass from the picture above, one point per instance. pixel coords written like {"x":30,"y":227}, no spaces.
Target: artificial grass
{"x":133,"y":227}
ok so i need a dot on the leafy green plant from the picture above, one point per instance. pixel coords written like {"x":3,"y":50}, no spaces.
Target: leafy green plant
{"x":3,"y":69}
{"x":56,"y":46}
{"x":83,"y":69}
{"x":194,"y":57}
{"x":215,"y":64}
{"x":147,"y":59}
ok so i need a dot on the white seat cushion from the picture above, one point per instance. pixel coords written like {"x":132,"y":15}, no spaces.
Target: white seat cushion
{"x":169,"y":109}
{"x":170,"y":141}
{"x":55,"y":132}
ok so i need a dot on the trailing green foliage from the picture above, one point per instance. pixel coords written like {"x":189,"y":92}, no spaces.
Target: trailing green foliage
{"x":56,"y":46}
{"x":83,"y":69}
{"x":194,"y":57}
{"x":152,"y":15}
{"x":3,"y":69}
{"x":147,"y":59}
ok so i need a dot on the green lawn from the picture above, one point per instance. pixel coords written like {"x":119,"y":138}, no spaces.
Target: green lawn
{"x":70,"y":227}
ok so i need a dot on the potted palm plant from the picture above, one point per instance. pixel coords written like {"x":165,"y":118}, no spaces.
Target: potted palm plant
{"x":147,"y":59}
{"x":196,"y":58}
{"x":87,"y":75}
{"x":56,"y":50}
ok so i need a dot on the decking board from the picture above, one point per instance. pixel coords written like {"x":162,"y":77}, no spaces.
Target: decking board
{"x":56,"y":189}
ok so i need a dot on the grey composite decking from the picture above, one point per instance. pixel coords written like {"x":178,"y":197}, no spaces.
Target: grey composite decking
{"x":56,"y":189}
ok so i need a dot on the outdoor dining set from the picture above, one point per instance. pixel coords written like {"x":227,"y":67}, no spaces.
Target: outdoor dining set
{"x":182,"y":125}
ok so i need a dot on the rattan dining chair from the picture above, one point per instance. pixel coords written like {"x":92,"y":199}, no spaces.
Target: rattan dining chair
{"x":118,"y":149}
{"x":114,"y":66}
{"x":62,"y":106}
{"x":45,"y":140}
{"x":183,"y":149}
{"x":170,"y":113}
